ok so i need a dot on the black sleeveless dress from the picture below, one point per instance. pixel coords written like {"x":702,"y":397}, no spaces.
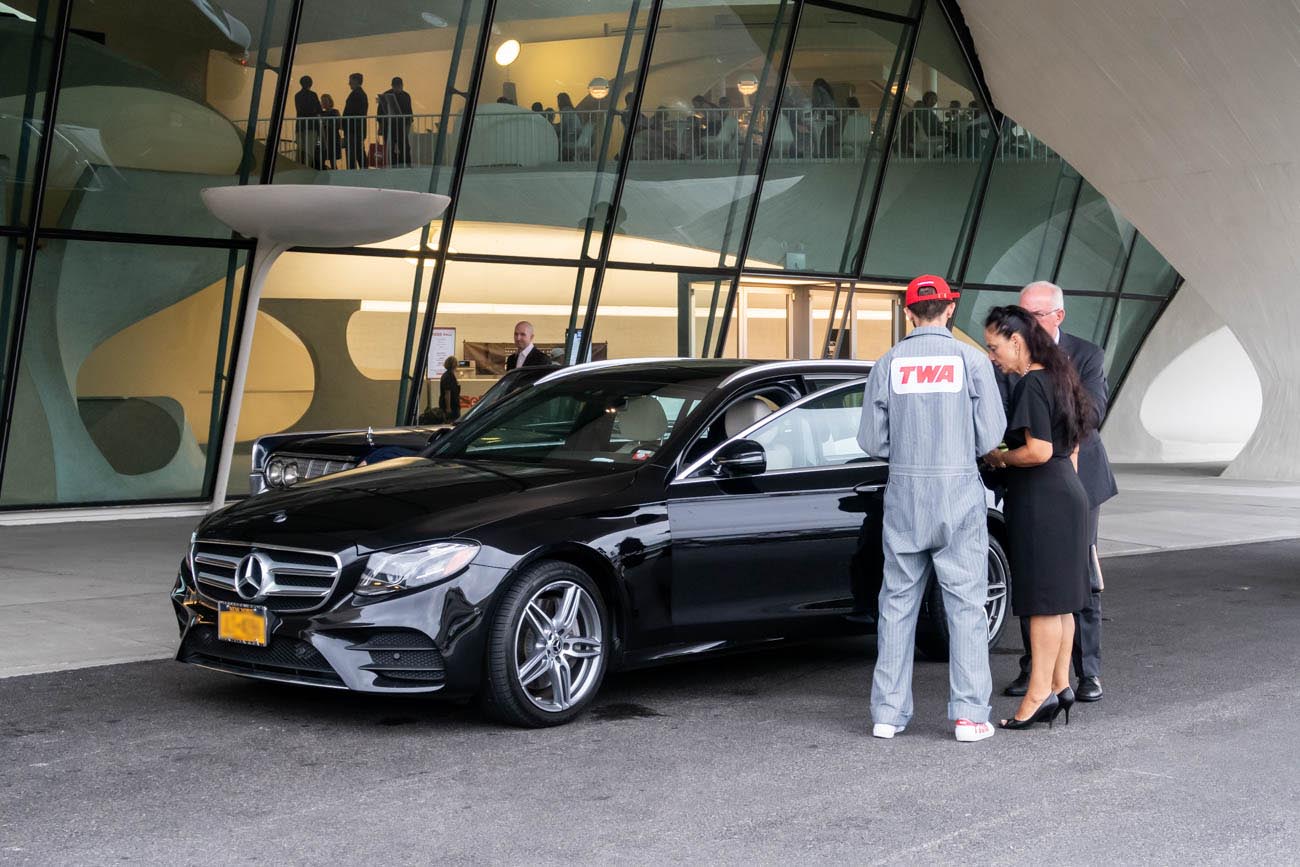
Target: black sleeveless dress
{"x":1046,"y":509}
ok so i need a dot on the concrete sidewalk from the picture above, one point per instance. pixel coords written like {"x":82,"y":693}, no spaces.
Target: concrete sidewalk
{"x":95,"y":593}
{"x":1171,"y":508}
{"x":73,"y":595}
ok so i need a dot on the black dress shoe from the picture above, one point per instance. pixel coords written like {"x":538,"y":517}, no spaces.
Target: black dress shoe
{"x":1089,"y":689}
{"x":1020,"y":685}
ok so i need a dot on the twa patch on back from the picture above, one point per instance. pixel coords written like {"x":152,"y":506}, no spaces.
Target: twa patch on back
{"x":926,"y":374}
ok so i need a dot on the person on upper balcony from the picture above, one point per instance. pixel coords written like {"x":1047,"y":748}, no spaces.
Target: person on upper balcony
{"x":306,"y":105}
{"x":355,"y":109}
{"x":395,"y":118}
{"x":922,"y":133}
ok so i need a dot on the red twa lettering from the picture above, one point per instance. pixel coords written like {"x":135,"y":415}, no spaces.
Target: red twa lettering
{"x":933,"y":373}
{"x":907,"y":372}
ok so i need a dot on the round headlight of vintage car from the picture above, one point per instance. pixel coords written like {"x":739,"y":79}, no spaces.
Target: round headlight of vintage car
{"x":275,"y":473}
{"x":290,"y":473}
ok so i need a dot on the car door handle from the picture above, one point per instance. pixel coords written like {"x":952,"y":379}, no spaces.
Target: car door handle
{"x":869,"y":488}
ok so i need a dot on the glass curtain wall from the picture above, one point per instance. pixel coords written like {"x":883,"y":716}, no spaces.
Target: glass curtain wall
{"x":603,"y":160}
{"x":1041,"y":221}
{"x":943,"y":130}
{"x":845,"y":71}
{"x":117,"y":298}
{"x":154,"y":104}
{"x":27,"y":36}
{"x":116,"y":398}
{"x":706,"y":111}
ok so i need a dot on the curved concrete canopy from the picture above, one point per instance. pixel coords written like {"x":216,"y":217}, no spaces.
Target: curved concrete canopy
{"x":1186,"y":116}
{"x":320,"y":216}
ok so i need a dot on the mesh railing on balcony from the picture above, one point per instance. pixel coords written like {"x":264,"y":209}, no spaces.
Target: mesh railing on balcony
{"x":517,"y":137}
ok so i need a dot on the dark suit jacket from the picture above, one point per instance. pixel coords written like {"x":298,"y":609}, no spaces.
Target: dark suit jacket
{"x":534,"y":358}
{"x":306,"y":103}
{"x":1094,"y":465}
{"x":398,"y":107}
{"x":357,"y":105}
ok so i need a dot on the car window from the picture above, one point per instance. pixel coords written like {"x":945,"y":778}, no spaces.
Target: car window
{"x":571,"y":420}
{"x":507,"y":385}
{"x":767,"y":398}
{"x":822,"y":432}
{"x":818,"y":383}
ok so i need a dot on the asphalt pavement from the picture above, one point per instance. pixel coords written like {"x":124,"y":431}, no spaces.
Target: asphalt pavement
{"x":756,"y":758}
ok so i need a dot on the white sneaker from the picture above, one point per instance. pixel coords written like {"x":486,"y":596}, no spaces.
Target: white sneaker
{"x":886,"y":731}
{"x":968,"y":732}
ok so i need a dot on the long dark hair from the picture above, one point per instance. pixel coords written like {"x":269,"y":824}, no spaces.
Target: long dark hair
{"x":1073,"y":402}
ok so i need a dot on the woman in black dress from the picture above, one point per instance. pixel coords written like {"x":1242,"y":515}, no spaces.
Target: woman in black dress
{"x":1046,"y":505}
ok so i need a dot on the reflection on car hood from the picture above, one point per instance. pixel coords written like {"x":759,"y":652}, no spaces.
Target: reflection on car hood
{"x":406,"y":500}
{"x":360,"y":442}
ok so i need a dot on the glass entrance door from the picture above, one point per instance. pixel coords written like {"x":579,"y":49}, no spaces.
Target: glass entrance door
{"x":860,"y":322}
{"x":823,"y":320}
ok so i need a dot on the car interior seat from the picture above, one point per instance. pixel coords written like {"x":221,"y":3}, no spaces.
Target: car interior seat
{"x":643,"y":423}
{"x":744,"y":413}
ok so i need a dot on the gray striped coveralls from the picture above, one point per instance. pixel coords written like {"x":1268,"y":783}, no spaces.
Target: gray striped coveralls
{"x":932,"y":408}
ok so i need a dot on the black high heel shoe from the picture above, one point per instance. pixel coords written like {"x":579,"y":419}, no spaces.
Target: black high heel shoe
{"x":1046,"y":713}
{"x":1065,"y":701}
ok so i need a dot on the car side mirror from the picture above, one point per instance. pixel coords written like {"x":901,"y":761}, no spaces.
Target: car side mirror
{"x":438,"y":434}
{"x":739,"y":458}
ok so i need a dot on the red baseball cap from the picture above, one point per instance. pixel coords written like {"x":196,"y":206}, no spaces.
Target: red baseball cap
{"x":929,"y":287}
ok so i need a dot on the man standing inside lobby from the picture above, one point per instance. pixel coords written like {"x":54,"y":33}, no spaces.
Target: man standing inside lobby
{"x":527,"y":354}
{"x":1046,"y":303}
{"x":355,"y":110}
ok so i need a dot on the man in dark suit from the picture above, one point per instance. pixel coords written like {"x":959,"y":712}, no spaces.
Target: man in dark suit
{"x":394,"y":110}
{"x":306,"y":105}
{"x":1046,"y":303}
{"x":355,"y":110}
{"x":528,"y":355}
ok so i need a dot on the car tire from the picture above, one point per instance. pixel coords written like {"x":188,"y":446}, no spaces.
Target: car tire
{"x":548,"y":647}
{"x":932,"y":630}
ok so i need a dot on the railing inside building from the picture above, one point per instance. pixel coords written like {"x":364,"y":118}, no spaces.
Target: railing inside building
{"x":506,"y":135}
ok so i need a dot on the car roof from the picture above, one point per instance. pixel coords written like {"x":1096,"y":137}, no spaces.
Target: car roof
{"x":730,"y":369}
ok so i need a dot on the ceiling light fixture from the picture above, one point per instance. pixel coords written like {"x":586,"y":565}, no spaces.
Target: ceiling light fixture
{"x":508,"y":52}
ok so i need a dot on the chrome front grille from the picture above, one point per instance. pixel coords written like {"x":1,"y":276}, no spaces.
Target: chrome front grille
{"x":298,"y":580}
{"x":315,"y":466}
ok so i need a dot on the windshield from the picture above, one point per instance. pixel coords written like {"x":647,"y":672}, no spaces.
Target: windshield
{"x":506,"y":385}
{"x":580,"y":419}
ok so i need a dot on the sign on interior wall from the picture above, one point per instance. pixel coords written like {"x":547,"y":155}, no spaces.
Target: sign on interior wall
{"x":442,"y":344}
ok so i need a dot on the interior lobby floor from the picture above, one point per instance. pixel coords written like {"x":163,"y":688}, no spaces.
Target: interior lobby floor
{"x":95,"y":593}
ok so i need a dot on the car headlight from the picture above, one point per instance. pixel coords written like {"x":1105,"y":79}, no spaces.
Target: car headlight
{"x":391,"y":571}
{"x":290,"y":473}
{"x":275,"y":473}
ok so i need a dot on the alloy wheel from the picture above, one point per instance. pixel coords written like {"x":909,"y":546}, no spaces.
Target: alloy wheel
{"x":558,"y":646}
{"x":995,"y":604}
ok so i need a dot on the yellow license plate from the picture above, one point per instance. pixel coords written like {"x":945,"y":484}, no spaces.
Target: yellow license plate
{"x":244,"y":624}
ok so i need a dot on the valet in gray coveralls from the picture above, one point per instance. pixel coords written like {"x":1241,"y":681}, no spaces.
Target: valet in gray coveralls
{"x":932,"y":408}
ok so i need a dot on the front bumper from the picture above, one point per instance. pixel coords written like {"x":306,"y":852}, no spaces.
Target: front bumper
{"x":428,"y":641}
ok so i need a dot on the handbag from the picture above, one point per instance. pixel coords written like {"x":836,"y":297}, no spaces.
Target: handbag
{"x":1096,"y":581}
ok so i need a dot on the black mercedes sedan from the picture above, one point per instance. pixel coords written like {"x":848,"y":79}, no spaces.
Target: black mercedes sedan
{"x":613,"y":515}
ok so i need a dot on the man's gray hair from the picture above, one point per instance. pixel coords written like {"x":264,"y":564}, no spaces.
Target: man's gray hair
{"x":1058,"y":297}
